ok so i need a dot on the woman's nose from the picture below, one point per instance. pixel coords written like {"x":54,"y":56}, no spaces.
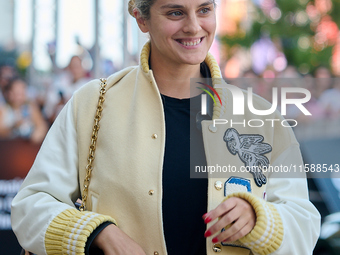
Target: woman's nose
{"x":192,"y":25}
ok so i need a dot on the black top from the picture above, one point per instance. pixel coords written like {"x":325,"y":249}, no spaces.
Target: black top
{"x":184,"y":199}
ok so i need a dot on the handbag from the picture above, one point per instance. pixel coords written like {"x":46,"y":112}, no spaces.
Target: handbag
{"x":91,"y":156}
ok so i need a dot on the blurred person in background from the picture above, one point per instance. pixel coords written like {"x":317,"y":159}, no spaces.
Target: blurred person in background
{"x":314,"y":106}
{"x":20,"y":118}
{"x":63,"y":88}
{"x":7,"y":72}
{"x":323,"y":80}
{"x":330,"y":99}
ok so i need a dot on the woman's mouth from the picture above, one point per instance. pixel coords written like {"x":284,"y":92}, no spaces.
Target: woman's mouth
{"x":190,"y":43}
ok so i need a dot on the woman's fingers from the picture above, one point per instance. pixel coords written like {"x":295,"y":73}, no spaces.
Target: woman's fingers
{"x":241,"y":233}
{"x":220,"y":210}
{"x":226,"y":219}
{"x":236,"y":229}
{"x":237,"y":213}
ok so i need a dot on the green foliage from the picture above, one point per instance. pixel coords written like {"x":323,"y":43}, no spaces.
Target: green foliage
{"x":335,"y":12}
{"x":288,"y":31}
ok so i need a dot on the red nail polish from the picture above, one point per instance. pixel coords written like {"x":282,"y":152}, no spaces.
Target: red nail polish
{"x":215,"y":240}
{"x":207,"y":233}
{"x":207,"y":220}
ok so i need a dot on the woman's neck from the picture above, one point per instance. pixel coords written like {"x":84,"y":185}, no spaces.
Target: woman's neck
{"x":173,"y":80}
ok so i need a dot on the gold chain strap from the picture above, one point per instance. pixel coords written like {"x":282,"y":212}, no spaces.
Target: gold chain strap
{"x":94,"y":136}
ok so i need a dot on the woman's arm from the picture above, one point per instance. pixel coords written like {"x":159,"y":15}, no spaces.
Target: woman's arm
{"x":44,"y":217}
{"x":287,"y":223}
{"x":43,"y":211}
{"x":301,"y":220}
{"x":5,"y":130}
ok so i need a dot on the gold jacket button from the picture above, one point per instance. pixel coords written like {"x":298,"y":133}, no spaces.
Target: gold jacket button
{"x":156,"y":253}
{"x":154,"y":136}
{"x":217,"y":247}
{"x":218,"y":185}
{"x":151,"y":192}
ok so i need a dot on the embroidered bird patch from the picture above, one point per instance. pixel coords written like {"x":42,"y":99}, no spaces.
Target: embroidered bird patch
{"x":250,"y":150}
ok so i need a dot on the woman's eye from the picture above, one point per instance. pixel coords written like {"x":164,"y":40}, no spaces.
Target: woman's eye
{"x":175,"y":13}
{"x":205,"y":10}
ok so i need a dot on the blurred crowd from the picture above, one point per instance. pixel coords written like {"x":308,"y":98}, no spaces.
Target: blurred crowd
{"x":26,"y":114}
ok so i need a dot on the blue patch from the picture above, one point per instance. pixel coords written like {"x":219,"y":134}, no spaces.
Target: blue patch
{"x":239,"y":181}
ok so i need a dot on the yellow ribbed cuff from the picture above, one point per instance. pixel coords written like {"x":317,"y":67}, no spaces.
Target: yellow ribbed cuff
{"x":68,"y":232}
{"x":267,"y":234}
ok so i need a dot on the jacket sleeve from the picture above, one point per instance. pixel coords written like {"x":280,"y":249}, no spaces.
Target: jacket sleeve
{"x":43,"y":214}
{"x":287,"y":223}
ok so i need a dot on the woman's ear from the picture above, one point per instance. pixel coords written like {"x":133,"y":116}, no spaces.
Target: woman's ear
{"x":140,"y":21}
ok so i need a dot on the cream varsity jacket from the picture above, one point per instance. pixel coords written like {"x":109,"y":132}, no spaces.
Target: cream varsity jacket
{"x":126,"y":184}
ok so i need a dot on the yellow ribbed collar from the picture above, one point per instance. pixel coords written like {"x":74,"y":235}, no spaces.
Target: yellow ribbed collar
{"x":213,"y":67}
{"x":209,"y":60}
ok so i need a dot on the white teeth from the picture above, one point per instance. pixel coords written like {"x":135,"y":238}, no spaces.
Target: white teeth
{"x":194,"y":43}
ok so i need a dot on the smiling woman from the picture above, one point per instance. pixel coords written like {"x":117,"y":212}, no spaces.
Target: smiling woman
{"x":138,"y":190}
{"x":181,"y":34}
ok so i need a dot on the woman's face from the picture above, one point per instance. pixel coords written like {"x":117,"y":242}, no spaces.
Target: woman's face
{"x":181,"y":31}
{"x":17,"y":94}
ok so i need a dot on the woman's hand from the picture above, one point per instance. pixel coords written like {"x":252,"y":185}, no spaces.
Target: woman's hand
{"x":113,"y":241}
{"x":235,"y":211}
